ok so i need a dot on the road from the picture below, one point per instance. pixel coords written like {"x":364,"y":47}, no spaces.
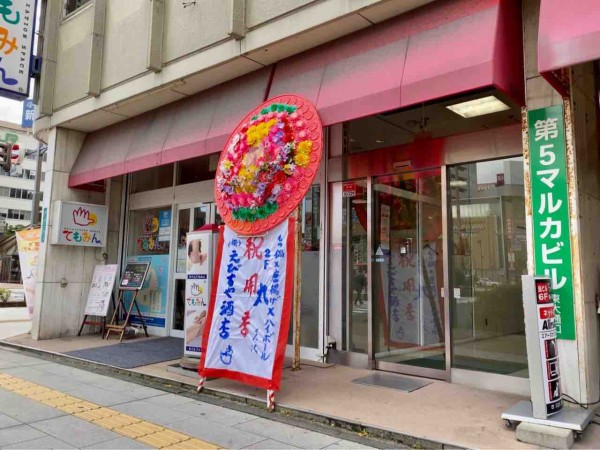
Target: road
{"x":13,"y":321}
{"x":45,"y":405}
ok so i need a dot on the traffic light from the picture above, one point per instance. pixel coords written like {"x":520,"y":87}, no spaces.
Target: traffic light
{"x":5,"y":155}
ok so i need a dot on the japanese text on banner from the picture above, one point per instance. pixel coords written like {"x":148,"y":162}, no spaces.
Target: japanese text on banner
{"x":550,"y":203}
{"x":251,"y":305}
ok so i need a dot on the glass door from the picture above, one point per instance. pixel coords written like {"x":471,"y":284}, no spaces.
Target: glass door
{"x":189,"y":218}
{"x":408,"y":311}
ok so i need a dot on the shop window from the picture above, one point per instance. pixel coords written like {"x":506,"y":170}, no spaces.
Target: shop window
{"x":197,"y":169}
{"x":73,"y":5}
{"x":488,"y":255}
{"x":150,"y":179}
{"x":148,"y":242}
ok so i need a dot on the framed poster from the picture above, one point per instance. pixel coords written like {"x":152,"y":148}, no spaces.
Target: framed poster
{"x":103,"y":281}
{"x":134,"y":275}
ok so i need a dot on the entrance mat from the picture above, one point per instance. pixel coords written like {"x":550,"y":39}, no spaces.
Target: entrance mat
{"x":134,"y":354}
{"x":392,"y":382}
{"x":469,"y":363}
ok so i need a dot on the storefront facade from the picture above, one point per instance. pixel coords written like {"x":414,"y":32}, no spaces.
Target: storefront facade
{"x":417,"y":228}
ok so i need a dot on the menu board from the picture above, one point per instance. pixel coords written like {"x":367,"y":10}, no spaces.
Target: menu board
{"x":100,"y":291}
{"x":134,"y":275}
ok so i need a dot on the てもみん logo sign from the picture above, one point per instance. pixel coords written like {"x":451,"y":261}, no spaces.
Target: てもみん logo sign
{"x":268,"y":164}
{"x":80,"y":224}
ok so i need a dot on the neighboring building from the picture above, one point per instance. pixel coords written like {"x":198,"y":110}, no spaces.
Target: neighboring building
{"x":137,"y":99}
{"x":18,"y":185}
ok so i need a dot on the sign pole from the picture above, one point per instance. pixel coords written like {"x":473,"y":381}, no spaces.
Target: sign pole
{"x":297,"y":290}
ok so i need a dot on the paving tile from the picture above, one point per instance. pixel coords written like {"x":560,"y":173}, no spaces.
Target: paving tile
{"x":143,"y":392}
{"x":344,"y":444}
{"x":14,"y":435}
{"x":170,"y":400}
{"x":287,"y":433}
{"x":215,"y":413}
{"x":74,"y":431}
{"x":149,"y":411}
{"x":46,"y":442}
{"x":101,"y":396}
{"x":269,"y":444}
{"x":7,"y":421}
{"x":218,"y":434}
{"x":119,"y":443}
{"x":24,"y":409}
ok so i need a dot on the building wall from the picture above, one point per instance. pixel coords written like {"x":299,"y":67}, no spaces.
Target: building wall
{"x":579,"y":359}
{"x":114,"y":59}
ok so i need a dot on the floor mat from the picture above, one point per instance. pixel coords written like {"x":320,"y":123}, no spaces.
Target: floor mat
{"x":396,"y":382}
{"x":469,"y":363}
{"x":134,"y":354}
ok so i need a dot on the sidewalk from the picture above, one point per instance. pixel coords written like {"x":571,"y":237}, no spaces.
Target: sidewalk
{"x":48,"y":405}
{"x":439,"y":414}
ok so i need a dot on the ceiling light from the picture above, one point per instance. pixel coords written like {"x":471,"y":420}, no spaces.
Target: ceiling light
{"x":379,"y":141}
{"x":478,"y":107}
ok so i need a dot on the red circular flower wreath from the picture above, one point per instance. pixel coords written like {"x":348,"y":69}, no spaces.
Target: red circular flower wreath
{"x":268,"y":164}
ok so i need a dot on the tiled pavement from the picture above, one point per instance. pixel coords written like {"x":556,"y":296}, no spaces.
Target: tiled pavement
{"x":29,"y":423}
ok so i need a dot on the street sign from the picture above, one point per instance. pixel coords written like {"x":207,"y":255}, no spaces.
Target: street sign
{"x":28,"y":115}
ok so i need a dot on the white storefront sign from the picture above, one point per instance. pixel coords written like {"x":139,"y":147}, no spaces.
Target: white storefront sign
{"x":197,"y":288}
{"x":79,"y":224}
{"x":17,"y":28}
{"x":103,"y":282}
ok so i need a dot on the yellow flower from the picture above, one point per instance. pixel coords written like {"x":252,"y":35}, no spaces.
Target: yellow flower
{"x":252,"y":137}
{"x":301,"y":159}
{"x":288,"y":169}
{"x":304,"y":147}
{"x":226,"y":165}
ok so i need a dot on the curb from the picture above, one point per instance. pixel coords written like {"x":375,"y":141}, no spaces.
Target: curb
{"x":377,"y":437}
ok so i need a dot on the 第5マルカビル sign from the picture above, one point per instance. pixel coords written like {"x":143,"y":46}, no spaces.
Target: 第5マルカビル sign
{"x":550,"y":202}
{"x":80,"y":224}
{"x":17,"y":27}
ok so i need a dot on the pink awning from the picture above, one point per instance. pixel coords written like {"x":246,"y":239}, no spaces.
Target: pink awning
{"x":192,"y":127}
{"x":569,"y":33}
{"x":442,"y":49}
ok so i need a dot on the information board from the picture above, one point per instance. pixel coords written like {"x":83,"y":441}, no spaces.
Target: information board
{"x":101,"y":289}
{"x":134,"y":275}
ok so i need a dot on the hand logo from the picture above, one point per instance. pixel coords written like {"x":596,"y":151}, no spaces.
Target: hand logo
{"x":84,"y":217}
{"x":196,"y":290}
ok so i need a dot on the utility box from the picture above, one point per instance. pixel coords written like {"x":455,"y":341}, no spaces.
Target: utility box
{"x":542,"y":349}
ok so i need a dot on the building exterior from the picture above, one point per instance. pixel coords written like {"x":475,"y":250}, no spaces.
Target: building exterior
{"x":419,"y":224}
{"x":17,"y":187}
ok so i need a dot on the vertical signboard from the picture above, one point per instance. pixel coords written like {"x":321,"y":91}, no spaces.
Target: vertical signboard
{"x":17,"y":28}
{"x":550,"y":203}
{"x":28,"y":244}
{"x":28,"y":115}
{"x":542,"y":351}
{"x":197,"y":288}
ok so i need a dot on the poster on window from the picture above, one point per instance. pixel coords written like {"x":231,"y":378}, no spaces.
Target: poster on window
{"x":197,"y":289}
{"x":249,"y":311}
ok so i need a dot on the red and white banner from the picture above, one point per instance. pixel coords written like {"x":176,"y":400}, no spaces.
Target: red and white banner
{"x":250,"y":307}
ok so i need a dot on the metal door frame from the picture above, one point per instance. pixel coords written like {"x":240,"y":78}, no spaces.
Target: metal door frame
{"x":446,"y":291}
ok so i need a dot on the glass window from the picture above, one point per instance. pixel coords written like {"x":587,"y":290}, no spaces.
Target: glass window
{"x":150,"y":179}
{"x":488,"y":255}
{"x":197,"y":169}
{"x":73,"y":5}
{"x":143,"y":233}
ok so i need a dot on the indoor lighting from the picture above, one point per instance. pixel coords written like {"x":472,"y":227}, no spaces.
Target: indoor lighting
{"x":478,"y":107}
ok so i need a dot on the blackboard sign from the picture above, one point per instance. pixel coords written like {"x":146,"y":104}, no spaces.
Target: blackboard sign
{"x":134,"y":275}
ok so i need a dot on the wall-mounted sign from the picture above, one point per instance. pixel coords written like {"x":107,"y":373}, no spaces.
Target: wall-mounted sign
{"x":268,"y":164}
{"x":79,"y":224}
{"x":349,"y":190}
{"x":28,"y":116}
{"x":17,"y":28}
{"x":550,"y":202}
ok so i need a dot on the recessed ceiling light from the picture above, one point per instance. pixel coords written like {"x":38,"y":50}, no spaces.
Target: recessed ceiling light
{"x":478,"y":107}
{"x":379,"y":141}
